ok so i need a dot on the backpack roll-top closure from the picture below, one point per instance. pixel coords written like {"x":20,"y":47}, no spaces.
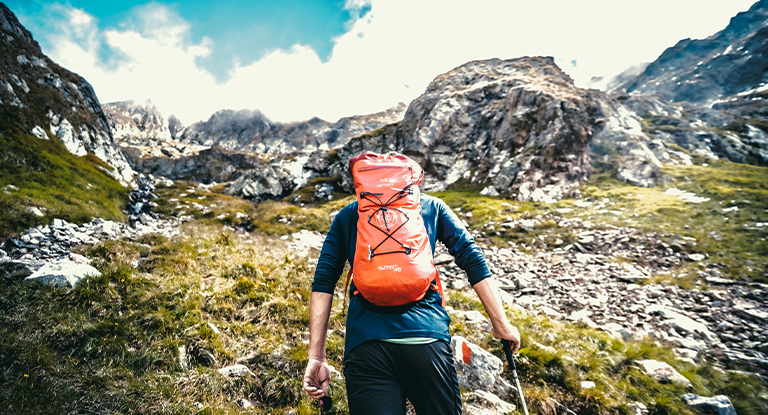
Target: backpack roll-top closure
{"x":393,"y":262}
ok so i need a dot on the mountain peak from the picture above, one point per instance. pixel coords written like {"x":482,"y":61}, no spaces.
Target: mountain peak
{"x":9,"y":23}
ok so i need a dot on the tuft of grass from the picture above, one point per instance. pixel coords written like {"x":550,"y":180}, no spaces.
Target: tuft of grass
{"x":283,"y":218}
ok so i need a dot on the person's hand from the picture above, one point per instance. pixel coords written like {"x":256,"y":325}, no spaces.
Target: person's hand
{"x":504,"y":330}
{"x":317,"y":377}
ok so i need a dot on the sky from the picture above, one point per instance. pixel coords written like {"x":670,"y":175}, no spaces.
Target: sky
{"x":297,"y":59}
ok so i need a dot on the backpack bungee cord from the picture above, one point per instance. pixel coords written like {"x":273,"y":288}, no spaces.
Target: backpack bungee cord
{"x":383,"y":208}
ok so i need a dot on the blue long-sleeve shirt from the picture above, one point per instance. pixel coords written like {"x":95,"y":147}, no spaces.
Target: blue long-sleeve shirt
{"x":424,"y":318}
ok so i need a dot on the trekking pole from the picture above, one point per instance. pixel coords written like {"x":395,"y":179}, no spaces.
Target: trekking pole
{"x":506,"y":346}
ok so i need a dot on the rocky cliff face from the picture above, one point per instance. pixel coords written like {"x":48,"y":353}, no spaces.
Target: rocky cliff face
{"x":729,"y":62}
{"x":518,"y":127}
{"x":39,"y":97}
{"x":732,"y":130}
{"x":137,"y":124}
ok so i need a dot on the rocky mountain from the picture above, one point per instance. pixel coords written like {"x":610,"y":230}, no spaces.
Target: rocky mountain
{"x":518,"y":127}
{"x":732,"y":61}
{"x":137,"y":124}
{"x":39,"y":97}
{"x":707,"y":96}
{"x":251,"y":131}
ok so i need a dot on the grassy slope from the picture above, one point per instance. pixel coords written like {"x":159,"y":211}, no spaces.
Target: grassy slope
{"x":730,"y":237}
{"x":49,"y":177}
{"x":111,"y":345}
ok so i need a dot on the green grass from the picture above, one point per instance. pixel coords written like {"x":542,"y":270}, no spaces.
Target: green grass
{"x":283,"y":218}
{"x":111,"y":344}
{"x":209,"y":207}
{"x":49,"y":177}
{"x":731,"y":238}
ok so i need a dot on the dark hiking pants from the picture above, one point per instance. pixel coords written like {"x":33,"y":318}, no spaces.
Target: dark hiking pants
{"x":381,"y":375}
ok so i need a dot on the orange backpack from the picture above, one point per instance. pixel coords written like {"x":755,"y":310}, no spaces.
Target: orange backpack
{"x":393,"y":262}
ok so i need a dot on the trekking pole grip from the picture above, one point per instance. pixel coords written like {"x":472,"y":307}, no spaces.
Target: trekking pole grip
{"x":506,"y":345}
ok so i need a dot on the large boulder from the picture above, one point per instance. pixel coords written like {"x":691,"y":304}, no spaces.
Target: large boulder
{"x":485,"y":403}
{"x":63,"y":273}
{"x":520,"y":127}
{"x":663,"y":372}
{"x":16,"y":269}
{"x":478,"y":369}
{"x":716,"y":405}
{"x":271,"y":182}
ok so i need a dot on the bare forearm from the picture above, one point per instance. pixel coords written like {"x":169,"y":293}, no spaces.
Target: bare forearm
{"x":491,"y":301}
{"x":319,"y":312}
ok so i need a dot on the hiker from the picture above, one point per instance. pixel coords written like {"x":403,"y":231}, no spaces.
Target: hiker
{"x":397,"y":346}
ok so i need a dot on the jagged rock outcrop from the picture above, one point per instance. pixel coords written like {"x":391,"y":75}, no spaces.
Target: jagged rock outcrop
{"x":270,"y":182}
{"x":39,"y":97}
{"x":251,"y":131}
{"x":137,"y":124}
{"x":205,"y":166}
{"x":729,"y":62}
{"x":731,"y":130}
{"x":520,"y":127}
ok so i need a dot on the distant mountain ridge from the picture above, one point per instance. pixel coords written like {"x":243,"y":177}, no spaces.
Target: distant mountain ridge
{"x":242,"y":131}
{"x":701,"y":71}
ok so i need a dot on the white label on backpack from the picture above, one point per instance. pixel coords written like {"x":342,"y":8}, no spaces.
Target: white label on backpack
{"x":392,"y":267}
{"x":389,"y":216}
{"x":385,"y":182}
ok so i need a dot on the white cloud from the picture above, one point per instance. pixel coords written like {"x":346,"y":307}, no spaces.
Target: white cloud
{"x":390,"y":54}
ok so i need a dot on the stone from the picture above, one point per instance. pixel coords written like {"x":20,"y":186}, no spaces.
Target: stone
{"x":749,"y":313}
{"x":472,"y":317}
{"x":35,"y":211}
{"x":459,"y":284}
{"x":663,"y":372}
{"x":483,"y":402}
{"x":323,"y":192}
{"x":204,"y":357}
{"x":681,"y":322}
{"x":213,"y":328}
{"x":696,"y":257}
{"x":183,"y":358}
{"x":476,"y":368}
{"x":716,"y":405}
{"x":582,"y":317}
{"x":18,"y":269}
{"x":586,"y":384}
{"x":632,"y":274}
{"x":641,"y":173}
{"x":489,"y":191}
{"x":527,"y":225}
{"x":79,"y":259}
{"x":235,"y":371}
{"x":443,"y":259}
{"x":524,"y":280}
{"x":270,"y":182}
{"x":638,"y":408}
{"x":63,"y":273}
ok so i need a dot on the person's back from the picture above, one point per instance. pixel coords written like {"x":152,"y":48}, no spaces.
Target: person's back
{"x":397,"y":352}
